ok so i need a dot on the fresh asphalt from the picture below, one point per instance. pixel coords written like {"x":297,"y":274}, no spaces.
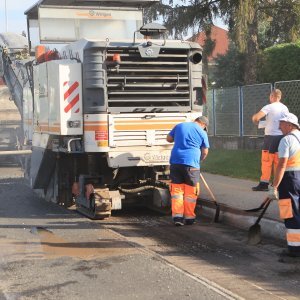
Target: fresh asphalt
{"x":48,"y":252}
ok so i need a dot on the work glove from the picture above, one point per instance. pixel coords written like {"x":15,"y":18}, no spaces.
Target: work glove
{"x":273,"y":193}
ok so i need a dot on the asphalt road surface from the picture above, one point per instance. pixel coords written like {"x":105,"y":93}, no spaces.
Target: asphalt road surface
{"x":48,"y":252}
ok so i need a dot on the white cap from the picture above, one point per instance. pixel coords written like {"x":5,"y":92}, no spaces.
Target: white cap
{"x":291,"y":118}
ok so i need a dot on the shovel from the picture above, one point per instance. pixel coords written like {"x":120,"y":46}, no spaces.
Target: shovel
{"x":218,"y":208}
{"x":254,"y":234}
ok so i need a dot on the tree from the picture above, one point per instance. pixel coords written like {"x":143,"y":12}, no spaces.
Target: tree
{"x":280,"y":18}
{"x":229,"y":69}
{"x":245,"y":32}
{"x":188,"y":16}
{"x":284,"y":25}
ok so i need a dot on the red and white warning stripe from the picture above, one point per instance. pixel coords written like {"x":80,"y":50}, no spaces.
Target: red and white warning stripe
{"x":71,"y":97}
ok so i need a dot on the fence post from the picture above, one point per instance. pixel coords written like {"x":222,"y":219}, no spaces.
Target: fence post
{"x":241,"y":111}
{"x":214,"y":113}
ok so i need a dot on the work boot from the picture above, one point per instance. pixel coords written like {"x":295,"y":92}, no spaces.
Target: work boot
{"x":262,"y":187}
{"x":178,"y":221}
{"x":189,"y":221}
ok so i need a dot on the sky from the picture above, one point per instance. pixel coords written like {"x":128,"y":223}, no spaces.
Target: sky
{"x":16,"y":20}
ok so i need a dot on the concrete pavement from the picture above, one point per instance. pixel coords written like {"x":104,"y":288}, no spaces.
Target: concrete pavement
{"x":235,"y":196}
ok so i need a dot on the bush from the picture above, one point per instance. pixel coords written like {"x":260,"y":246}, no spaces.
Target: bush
{"x":279,"y":63}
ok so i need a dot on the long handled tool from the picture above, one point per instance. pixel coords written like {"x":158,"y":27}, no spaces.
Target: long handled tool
{"x":254,"y":233}
{"x":218,"y":208}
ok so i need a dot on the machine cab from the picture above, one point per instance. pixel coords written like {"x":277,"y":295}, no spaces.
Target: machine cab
{"x":66,"y":21}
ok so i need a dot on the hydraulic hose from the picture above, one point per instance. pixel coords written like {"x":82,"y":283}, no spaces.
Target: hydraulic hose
{"x":137,"y":190}
{"x":151,"y":185}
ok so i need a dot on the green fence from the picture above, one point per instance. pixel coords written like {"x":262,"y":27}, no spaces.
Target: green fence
{"x":230,"y":110}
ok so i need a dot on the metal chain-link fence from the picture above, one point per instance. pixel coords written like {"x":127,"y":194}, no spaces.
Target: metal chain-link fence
{"x":290,"y":95}
{"x":230,"y":110}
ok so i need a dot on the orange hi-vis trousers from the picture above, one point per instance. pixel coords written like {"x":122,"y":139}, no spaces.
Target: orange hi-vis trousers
{"x":267,"y":161}
{"x":184,"y":198}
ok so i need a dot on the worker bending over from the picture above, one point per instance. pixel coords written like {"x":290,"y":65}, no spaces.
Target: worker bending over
{"x":273,"y":112}
{"x":190,"y":147}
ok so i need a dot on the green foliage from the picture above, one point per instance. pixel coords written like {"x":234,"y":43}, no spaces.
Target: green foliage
{"x":244,"y":164}
{"x":284,"y":21}
{"x":244,"y":16}
{"x":280,"y":63}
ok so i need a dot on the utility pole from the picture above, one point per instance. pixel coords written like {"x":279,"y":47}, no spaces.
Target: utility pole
{"x":5,"y":11}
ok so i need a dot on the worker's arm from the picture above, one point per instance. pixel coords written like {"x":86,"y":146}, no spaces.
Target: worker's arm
{"x":279,"y":172}
{"x":170,"y":139}
{"x":256,"y":117}
{"x":204,"y":152}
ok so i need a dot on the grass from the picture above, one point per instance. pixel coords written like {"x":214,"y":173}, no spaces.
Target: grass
{"x":244,"y":164}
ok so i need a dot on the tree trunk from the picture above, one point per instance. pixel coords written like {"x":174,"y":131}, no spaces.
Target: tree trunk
{"x":251,"y":53}
{"x":251,"y":44}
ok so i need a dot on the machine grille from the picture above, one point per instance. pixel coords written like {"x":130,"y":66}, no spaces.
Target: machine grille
{"x":142,"y":129}
{"x":148,"y":84}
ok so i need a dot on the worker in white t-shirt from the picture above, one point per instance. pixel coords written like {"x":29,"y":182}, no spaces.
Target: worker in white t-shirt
{"x":273,"y":112}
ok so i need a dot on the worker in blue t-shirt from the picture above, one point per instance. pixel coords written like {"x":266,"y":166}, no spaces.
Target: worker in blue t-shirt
{"x":190,"y":147}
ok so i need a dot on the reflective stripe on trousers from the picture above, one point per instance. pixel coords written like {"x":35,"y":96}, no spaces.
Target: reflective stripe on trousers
{"x":184,"y":199}
{"x":293,"y":237}
{"x":289,"y":188}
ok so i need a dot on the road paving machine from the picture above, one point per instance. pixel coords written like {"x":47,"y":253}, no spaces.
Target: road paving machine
{"x":104,"y":91}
